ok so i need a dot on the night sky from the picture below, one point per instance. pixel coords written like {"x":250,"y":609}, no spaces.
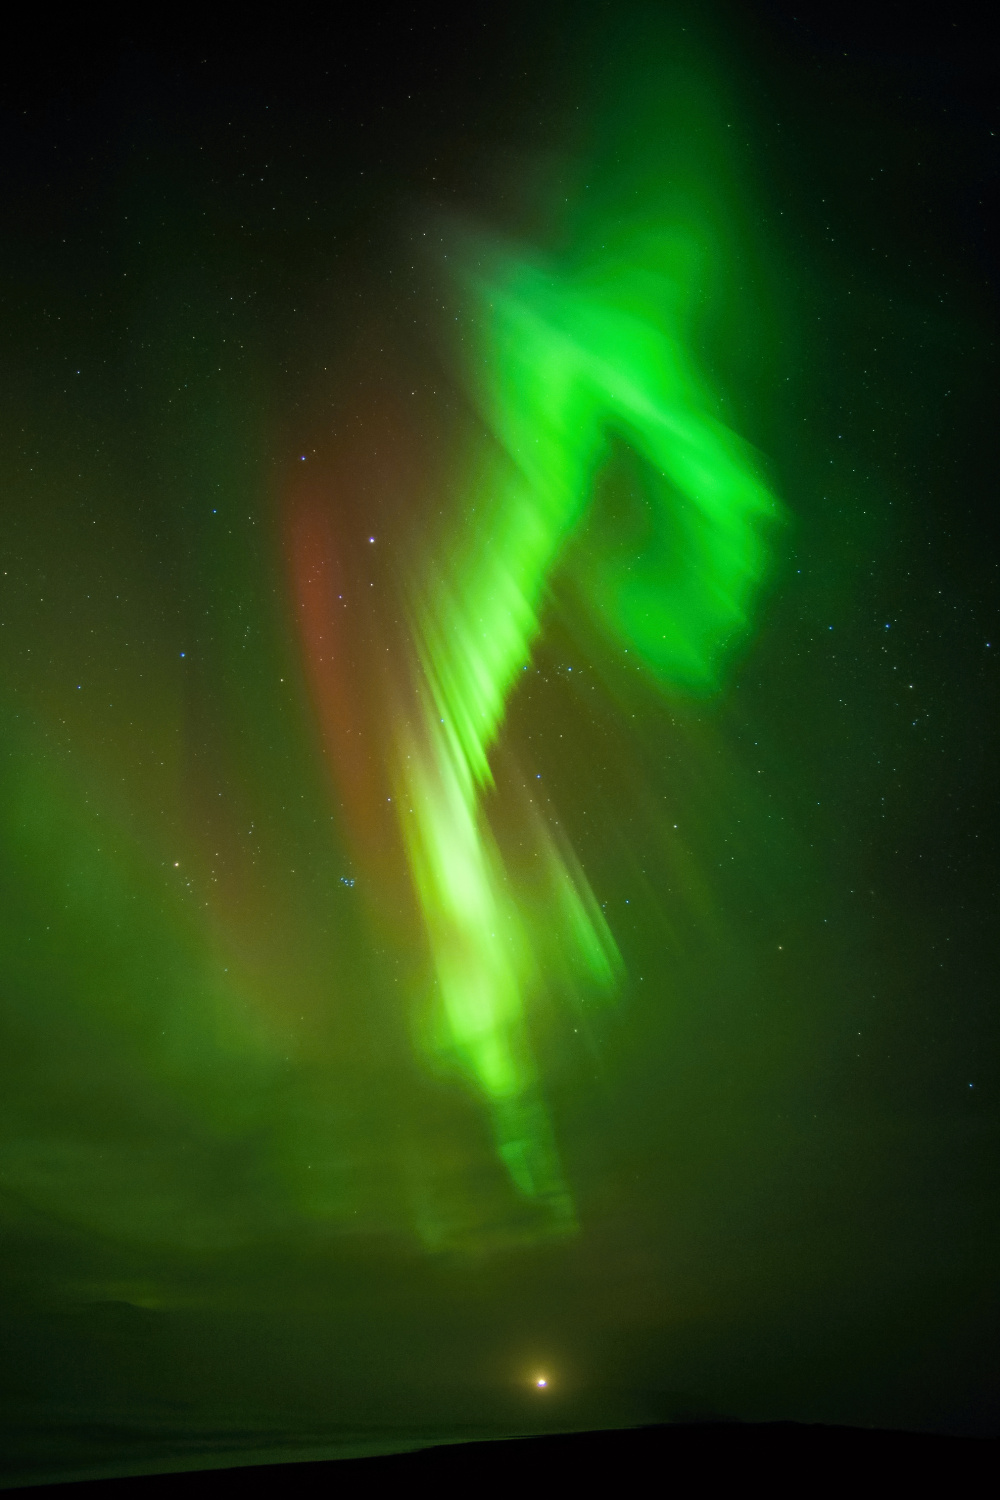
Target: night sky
{"x":498,"y":690}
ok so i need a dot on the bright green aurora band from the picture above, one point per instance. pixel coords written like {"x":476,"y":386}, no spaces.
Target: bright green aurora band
{"x":571,"y":356}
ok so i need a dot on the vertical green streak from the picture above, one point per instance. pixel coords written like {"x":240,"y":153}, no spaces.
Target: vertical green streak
{"x":570,"y":359}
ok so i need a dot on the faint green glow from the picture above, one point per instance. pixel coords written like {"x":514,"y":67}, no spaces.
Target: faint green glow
{"x":573,"y":357}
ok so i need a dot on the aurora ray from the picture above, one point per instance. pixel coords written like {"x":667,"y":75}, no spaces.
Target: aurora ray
{"x":568,"y":358}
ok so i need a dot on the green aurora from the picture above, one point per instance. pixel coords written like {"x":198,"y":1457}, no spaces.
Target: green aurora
{"x":494,"y":856}
{"x":566,"y":362}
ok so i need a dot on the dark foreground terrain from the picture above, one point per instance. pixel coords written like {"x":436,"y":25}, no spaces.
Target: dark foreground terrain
{"x":784,"y":1456}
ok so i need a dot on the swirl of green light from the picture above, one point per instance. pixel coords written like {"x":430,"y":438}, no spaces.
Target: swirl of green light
{"x":569,"y":362}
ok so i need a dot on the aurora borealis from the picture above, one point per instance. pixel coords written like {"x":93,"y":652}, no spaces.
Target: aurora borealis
{"x":498,"y":692}
{"x":562,"y":362}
